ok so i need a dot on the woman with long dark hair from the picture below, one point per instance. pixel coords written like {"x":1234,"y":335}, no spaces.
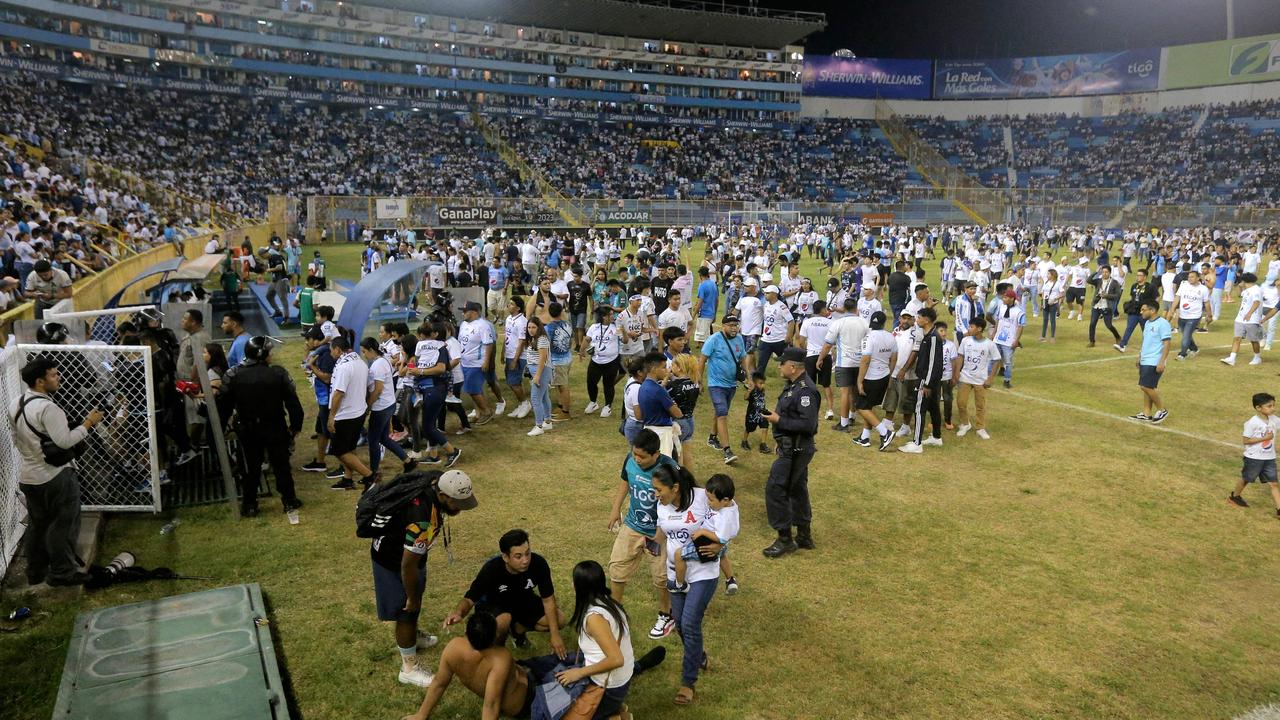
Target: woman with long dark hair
{"x":382,"y":405}
{"x":604,"y":637}
{"x":682,"y":511}
{"x":537,"y":357}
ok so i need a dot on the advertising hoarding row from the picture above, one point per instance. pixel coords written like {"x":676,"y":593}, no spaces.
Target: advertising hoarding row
{"x":1128,"y":71}
{"x":866,"y":78}
{"x":1227,"y":62}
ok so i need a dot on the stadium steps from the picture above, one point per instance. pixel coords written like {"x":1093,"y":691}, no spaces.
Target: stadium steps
{"x":568,"y":211}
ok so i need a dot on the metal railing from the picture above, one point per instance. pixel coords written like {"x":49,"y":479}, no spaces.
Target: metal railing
{"x":980,"y":203}
{"x":344,"y":217}
{"x":570,"y":212}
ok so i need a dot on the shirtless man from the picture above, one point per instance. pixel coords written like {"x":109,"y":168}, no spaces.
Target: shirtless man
{"x":488,"y":671}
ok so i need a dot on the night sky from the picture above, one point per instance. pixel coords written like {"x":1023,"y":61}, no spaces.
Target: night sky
{"x":1000,"y":28}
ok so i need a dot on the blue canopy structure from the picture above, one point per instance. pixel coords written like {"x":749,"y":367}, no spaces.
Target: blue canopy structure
{"x":163,"y":267}
{"x":367,"y":295}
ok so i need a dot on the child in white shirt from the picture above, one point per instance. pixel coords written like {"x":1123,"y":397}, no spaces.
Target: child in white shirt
{"x":721,"y":527}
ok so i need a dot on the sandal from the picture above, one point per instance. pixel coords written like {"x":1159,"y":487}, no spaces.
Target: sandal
{"x":684,"y":696}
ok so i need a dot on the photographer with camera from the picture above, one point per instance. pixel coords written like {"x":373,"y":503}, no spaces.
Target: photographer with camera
{"x":48,"y":476}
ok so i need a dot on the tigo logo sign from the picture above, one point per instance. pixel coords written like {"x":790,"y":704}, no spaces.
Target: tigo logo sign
{"x":1255,"y":58}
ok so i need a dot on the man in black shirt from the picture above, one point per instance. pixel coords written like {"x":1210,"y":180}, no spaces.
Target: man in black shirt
{"x":660,"y":286}
{"x":899,"y":286}
{"x":929,"y":369}
{"x":278,"y":290}
{"x":579,"y":297}
{"x":515,"y":587}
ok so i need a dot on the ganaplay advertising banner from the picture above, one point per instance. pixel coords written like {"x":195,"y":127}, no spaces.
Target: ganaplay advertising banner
{"x":866,"y":78}
{"x":466,"y":216}
{"x":1127,"y":71}
{"x":1251,"y":59}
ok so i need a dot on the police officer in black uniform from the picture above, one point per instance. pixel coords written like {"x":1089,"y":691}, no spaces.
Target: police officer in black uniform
{"x":795,"y":422}
{"x":261,"y":394}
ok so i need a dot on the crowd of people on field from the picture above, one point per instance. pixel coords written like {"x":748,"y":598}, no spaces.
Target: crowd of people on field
{"x":896,"y":340}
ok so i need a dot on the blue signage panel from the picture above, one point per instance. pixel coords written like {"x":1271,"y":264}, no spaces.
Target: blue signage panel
{"x":1127,"y":71}
{"x":866,"y":77}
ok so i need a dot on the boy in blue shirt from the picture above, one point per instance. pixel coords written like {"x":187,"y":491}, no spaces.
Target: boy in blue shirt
{"x":656,"y":406}
{"x":637,"y":530}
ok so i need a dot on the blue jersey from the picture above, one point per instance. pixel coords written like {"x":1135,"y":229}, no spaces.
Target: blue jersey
{"x":642,"y":511}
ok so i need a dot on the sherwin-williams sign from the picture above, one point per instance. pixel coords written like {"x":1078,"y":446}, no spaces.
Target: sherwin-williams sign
{"x":1252,"y":59}
{"x":866,"y":77}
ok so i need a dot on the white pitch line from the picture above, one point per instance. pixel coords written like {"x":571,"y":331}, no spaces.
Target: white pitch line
{"x":1120,"y":418}
{"x":1134,"y":356}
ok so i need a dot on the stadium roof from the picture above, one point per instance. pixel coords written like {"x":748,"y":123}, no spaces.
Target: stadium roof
{"x":707,"y":22}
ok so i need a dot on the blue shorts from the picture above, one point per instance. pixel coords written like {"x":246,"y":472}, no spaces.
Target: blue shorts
{"x":580,"y":321}
{"x":749,"y":341}
{"x":1148,"y":377}
{"x":515,"y":377}
{"x":686,"y":427}
{"x":388,"y":589}
{"x":472,"y":380}
{"x":630,"y":428}
{"x":721,"y":398}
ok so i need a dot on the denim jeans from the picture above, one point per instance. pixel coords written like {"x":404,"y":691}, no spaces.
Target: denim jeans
{"x":687,"y":609}
{"x":380,"y":436}
{"x":1050,"y":321}
{"x":1215,"y":302}
{"x":1133,"y":323}
{"x":1006,"y":358}
{"x":540,"y":393}
{"x":1188,"y":330}
{"x":432,"y":401}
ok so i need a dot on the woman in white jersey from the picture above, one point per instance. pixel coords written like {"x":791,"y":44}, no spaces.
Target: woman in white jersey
{"x":602,"y":346}
{"x":382,"y":407}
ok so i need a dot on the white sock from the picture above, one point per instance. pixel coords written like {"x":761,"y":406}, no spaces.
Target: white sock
{"x":866,"y":433}
{"x":885,"y":426}
{"x":844,"y":422}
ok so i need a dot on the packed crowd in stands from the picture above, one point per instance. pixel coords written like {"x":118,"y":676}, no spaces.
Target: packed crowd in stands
{"x":1157,"y":158}
{"x":237,"y":151}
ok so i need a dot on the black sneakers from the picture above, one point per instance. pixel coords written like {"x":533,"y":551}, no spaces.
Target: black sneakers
{"x":334,"y":473}
{"x":714,"y":442}
{"x":886,"y":440}
{"x":862,"y":442}
{"x":453,"y":457}
{"x":343,"y":484}
{"x":314,"y":466}
{"x":729,"y":457}
{"x":1239,"y":501}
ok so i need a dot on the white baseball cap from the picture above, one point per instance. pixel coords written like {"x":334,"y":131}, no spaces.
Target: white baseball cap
{"x":771,"y":289}
{"x":456,"y":485}
{"x":750,"y":282}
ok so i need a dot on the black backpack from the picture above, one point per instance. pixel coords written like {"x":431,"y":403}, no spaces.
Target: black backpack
{"x":382,"y":501}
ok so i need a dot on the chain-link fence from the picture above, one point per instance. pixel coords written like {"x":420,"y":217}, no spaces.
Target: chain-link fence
{"x":13,"y":509}
{"x":120,"y":466}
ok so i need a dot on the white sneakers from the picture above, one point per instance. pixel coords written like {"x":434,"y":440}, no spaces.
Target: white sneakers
{"x":472,"y":415}
{"x":547,"y":424}
{"x":521,"y":410}
{"x":932,"y":441}
{"x":606,"y":411}
{"x":983,"y":434}
{"x":963,"y":430}
{"x":830,"y":415}
{"x":500,"y":408}
{"x":1229,"y":360}
{"x":1257,"y":360}
{"x":903,"y":431}
{"x":911,"y":448}
{"x":590,"y":408}
{"x":415,"y":676}
{"x":426,"y":641}
{"x":536,"y":431}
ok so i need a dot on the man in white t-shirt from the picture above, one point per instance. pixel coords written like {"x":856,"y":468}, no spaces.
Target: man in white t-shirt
{"x":1077,"y":279}
{"x":979,"y":363}
{"x":750,"y":311}
{"x":675,"y":315}
{"x":844,"y":337}
{"x":812,"y":336}
{"x":778,"y":326}
{"x":1010,"y":322}
{"x":478,"y":339}
{"x":348,"y":394}
{"x":1192,"y":304}
{"x":879,"y":356}
{"x":1248,"y":320}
